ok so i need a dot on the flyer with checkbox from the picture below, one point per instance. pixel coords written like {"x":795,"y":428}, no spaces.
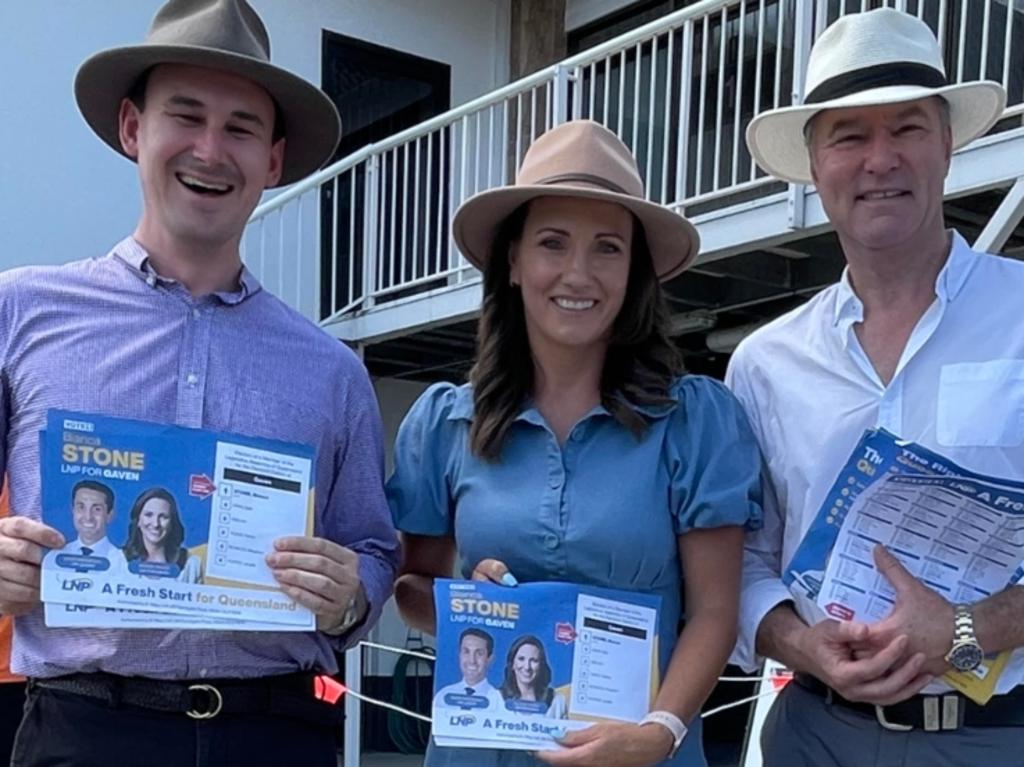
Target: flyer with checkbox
{"x":519,"y":667}
{"x":169,"y":521}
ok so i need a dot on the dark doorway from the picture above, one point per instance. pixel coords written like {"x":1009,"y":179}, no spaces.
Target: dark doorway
{"x":379,"y":92}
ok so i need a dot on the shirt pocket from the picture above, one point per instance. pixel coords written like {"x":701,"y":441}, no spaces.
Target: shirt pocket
{"x":981,"y":404}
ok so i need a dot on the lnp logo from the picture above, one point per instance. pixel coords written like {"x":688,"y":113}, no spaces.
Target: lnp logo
{"x":462,"y":720}
{"x":564,"y":633}
{"x":77,"y":425}
{"x":842,"y":612}
{"x":76,"y":584}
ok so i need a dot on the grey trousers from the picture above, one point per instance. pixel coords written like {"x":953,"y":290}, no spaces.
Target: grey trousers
{"x":802,"y":730}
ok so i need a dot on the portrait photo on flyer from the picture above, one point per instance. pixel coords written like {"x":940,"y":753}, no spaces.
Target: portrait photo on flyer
{"x":169,"y":520}
{"x":519,"y":667}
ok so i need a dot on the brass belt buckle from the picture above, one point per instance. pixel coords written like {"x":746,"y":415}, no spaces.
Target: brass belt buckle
{"x":213,"y":701}
{"x":892,"y":726}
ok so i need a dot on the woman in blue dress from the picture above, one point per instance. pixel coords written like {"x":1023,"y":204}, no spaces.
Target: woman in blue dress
{"x":579,"y":451}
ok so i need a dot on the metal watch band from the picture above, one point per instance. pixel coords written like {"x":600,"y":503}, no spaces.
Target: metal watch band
{"x":670,"y":722}
{"x":963,"y":625}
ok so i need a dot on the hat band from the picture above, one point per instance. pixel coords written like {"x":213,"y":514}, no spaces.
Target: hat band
{"x":878,"y":76}
{"x":582,"y":178}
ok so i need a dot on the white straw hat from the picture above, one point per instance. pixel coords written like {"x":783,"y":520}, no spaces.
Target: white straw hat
{"x":868,"y":59}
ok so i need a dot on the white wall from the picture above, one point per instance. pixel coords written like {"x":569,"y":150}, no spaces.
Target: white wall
{"x":64,"y":195}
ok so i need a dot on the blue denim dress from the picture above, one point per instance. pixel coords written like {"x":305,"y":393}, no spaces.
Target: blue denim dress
{"x":605,"y":508}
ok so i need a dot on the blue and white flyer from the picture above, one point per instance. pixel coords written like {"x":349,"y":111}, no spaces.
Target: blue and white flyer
{"x":519,"y":667}
{"x":960,"y":533}
{"x":168,"y":520}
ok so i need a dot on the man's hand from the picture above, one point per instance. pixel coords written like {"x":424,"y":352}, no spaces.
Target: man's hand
{"x":919,"y":614}
{"x":318,"y":574}
{"x":881,"y":675}
{"x":22,"y":546}
{"x":624,"y":745}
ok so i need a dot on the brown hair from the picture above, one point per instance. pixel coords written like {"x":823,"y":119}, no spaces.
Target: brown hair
{"x":641,"y":364}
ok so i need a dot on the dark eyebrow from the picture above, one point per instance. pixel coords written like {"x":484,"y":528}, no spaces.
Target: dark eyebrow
{"x":193,"y":103}
{"x":564,"y":233}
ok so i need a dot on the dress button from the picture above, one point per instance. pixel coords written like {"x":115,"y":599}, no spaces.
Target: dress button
{"x":555,"y":480}
{"x":192,"y":379}
{"x":196,"y":314}
{"x":551,"y":541}
{"x":203,"y":672}
{"x":151,"y":281}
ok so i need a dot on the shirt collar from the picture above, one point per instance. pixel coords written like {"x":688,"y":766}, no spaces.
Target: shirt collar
{"x":131,"y":252}
{"x":948,"y":284}
{"x":462,"y":409}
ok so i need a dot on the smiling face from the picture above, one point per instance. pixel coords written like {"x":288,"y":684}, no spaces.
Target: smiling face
{"x":880,"y":171}
{"x":90,"y":515}
{"x":155,"y":521}
{"x":205,"y":152}
{"x":474,"y":659}
{"x":572,"y":265}
{"x":525,"y":665}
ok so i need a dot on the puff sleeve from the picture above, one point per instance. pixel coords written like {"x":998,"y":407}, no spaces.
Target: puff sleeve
{"x":713,"y":457}
{"x":419,"y":490}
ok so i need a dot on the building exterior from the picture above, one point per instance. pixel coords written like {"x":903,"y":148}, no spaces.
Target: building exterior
{"x":440,"y":99}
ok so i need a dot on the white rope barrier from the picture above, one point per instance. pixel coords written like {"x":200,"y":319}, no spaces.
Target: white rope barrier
{"x":398,"y":650}
{"x":391,"y":706}
{"x":740,"y":702}
{"x":428,"y":656}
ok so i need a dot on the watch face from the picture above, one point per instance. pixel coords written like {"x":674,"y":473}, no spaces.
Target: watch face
{"x":966,"y":657}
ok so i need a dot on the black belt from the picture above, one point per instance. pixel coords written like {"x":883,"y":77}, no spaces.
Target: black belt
{"x":932,"y":713}
{"x":291,"y":695}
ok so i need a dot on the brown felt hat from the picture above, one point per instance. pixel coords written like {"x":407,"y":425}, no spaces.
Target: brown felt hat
{"x":226,"y":35}
{"x":580,"y":158}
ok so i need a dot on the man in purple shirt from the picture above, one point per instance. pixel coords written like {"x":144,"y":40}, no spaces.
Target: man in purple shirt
{"x":170,"y":327}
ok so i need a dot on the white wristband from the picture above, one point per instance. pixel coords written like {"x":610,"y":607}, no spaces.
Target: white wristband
{"x":670,"y":722}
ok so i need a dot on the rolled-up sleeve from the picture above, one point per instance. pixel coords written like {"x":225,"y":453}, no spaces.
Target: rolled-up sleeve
{"x":356,"y":514}
{"x":761,"y":586}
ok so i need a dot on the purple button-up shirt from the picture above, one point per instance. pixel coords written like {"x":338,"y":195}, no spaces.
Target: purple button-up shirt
{"x":109,"y":336}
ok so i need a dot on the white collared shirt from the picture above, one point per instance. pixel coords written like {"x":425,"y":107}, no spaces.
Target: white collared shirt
{"x":811,"y":392}
{"x":482,"y":689}
{"x":101,"y":548}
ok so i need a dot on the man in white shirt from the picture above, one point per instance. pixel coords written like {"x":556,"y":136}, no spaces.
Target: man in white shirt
{"x":923,"y":337}
{"x":473,"y":691}
{"x":92,"y":511}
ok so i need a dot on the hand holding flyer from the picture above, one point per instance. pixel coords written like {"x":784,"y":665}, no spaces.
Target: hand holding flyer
{"x":519,"y":667}
{"x":170,"y":522}
{"x":958,"y":532}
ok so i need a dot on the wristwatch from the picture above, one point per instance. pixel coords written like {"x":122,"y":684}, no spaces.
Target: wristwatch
{"x":349,"y":618}
{"x":965,"y":654}
{"x":670,"y":722}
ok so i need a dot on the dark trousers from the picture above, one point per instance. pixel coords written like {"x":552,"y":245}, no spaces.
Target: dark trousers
{"x":65,"y":729}
{"x":12,"y":703}
{"x":802,"y":730}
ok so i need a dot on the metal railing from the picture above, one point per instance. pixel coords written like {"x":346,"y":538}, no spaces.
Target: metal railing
{"x":374,"y":227}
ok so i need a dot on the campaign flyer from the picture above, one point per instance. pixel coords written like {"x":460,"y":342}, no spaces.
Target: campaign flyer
{"x":519,"y":667}
{"x":164,"y":519}
{"x":959,"y":532}
{"x":57,"y":615}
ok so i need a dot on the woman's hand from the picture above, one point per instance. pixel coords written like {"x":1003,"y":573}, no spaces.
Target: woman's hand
{"x":624,"y":745}
{"x":493,"y":571}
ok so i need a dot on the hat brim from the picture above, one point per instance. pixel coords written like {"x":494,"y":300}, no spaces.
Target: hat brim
{"x":776,"y":138}
{"x":672,"y":240}
{"x":312,"y":124}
